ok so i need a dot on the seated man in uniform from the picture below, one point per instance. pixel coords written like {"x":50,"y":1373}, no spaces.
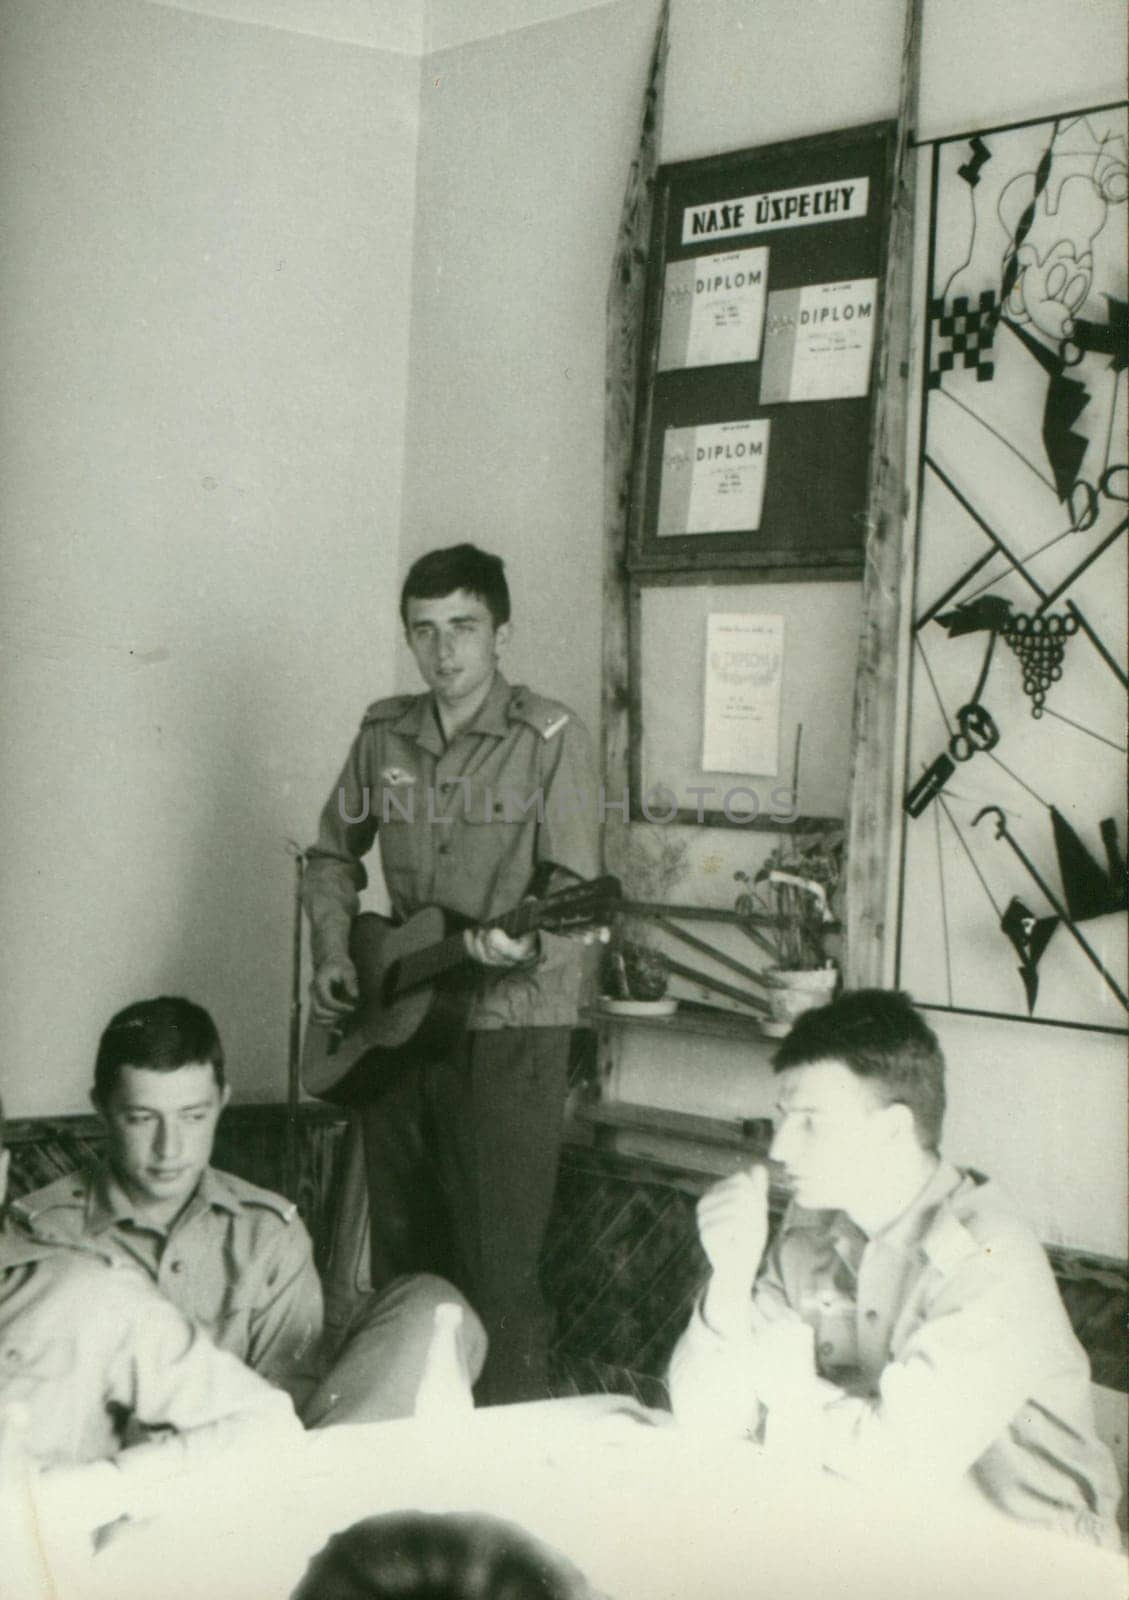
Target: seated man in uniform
{"x":904,"y":1326}
{"x":86,"y":1348}
{"x":236,"y":1259}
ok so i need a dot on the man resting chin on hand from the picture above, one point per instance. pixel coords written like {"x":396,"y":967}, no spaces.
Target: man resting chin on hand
{"x":904,"y":1327}
{"x":761,"y":1357}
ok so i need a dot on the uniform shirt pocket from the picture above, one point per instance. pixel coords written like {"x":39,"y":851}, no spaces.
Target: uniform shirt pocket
{"x":498,"y":842}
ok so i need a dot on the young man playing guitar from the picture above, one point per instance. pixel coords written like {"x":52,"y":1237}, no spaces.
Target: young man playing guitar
{"x":478,"y":793}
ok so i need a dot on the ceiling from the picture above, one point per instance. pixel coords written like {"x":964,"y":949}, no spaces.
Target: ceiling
{"x":411,"y":27}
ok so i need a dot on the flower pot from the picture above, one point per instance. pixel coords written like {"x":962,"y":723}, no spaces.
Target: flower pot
{"x":665,"y":1007}
{"x":635,"y":974}
{"x":790,"y":993}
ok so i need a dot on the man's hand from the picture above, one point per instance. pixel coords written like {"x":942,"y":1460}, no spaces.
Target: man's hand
{"x":334,"y":992}
{"x":733,"y":1228}
{"x":490,"y":947}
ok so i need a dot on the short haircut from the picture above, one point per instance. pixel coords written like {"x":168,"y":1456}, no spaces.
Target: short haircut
{"x":460,"y":566}
{"x":417,"y":1555}
{"x":160,"y":1035}
{"x":882,"y":1037}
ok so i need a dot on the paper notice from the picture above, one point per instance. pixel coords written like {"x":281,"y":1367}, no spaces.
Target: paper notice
{"x":741,"y":713}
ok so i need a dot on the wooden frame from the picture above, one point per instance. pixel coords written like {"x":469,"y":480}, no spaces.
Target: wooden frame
{"x":814,"y":452}
{"x":649,"y":726}
{"x":1019,"y":440}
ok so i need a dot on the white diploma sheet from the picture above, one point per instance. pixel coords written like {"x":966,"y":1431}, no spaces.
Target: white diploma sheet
{"x":713,"y":478}
{"x":818,"y":341}
{"x":713,"y":309}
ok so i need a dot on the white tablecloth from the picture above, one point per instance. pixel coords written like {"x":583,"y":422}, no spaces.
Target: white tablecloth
{"x":647,"y":1512}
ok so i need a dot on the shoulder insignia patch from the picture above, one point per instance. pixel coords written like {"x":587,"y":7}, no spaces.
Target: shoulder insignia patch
{"x":68,"y":1193}
{"x":250,"y":1194}
{"x":948,"y":1242}
{"x":546,"y":717}
{"x":388,"y":709}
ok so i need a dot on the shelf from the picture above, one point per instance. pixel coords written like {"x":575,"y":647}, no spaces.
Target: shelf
{"x":689,"y":1018}
{"x":683,"y":1148}
{"x":753,"y":1134}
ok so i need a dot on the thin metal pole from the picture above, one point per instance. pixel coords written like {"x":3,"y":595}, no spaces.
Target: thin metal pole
{"x":294,"y":1053}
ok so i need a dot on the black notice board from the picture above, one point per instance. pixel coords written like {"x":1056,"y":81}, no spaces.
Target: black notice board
{"x":774,"y":473}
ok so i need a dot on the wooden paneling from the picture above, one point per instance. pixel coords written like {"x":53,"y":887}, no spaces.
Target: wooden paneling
{"x":250,"y":1141}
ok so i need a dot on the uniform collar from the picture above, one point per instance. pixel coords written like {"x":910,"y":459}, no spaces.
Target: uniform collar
{"x":491,"y":716}
{"x":421,"y":720}
{"x":909,"y":1230}
{"x":107,"y":1202}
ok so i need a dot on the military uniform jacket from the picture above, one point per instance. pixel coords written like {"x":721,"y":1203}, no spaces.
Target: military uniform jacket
{"x":464,"y":826}
{"x":944,"y":1349}
{"x":85,"y":1345}
{"x":237,"y":1262}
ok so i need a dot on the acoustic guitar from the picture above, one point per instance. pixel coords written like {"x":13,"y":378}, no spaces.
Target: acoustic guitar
{"x":416,"y":984}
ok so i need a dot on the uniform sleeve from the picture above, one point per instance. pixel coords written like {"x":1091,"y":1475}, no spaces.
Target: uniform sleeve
{"x":288,"y":1315}
{"x":569,"y":835}
{"x":568,"y":838}
{"x":167,"y":1374}
{"x":334,"y":875}
{"x":962,"y":1375}
{"x":713,"y":1378}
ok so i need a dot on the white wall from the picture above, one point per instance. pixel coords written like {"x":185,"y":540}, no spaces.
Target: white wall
{"x":1042,"y":1108}
{"x":217,"y":238}
{"x":519,"y":189}
{"x":205,"y":276}
{"x":525,"y":145}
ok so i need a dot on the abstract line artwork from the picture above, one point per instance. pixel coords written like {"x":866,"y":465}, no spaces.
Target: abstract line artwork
{"x":1014,"y":879}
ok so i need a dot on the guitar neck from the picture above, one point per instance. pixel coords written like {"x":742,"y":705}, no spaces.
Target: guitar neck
{"x":424,"y":966}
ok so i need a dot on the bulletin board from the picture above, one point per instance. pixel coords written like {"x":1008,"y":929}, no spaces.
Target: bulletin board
{"x":761,"y":333}
{"x":1014,"y":884}
{"x":742,"y":674}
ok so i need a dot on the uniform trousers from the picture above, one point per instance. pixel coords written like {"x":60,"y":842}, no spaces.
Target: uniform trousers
{"x":459,"y":1160}
{"x":375,"y":1354}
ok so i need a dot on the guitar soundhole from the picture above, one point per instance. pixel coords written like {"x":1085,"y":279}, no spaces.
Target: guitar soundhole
{"x":389,"y":984}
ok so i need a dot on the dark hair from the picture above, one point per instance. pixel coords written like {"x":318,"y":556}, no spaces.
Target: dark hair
{"x":460,"y":566}
{"x":415,"y":1555}
{"x":880,"y":1036}
{"x":161,"y":1035}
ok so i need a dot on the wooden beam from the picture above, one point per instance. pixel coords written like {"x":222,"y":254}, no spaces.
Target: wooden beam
{"x":624,"y":345}
{"x":873,"y":807}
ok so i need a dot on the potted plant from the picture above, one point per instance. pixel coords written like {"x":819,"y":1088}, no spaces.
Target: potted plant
{"x":633,"y":975}
{"x":787,"y":909}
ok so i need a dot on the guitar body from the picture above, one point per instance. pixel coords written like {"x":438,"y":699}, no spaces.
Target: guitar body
{"x":416,"y":986}
{"x":344,"y":1064}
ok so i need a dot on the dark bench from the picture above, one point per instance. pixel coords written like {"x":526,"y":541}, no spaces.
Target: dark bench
{"x":622,"y":1262}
